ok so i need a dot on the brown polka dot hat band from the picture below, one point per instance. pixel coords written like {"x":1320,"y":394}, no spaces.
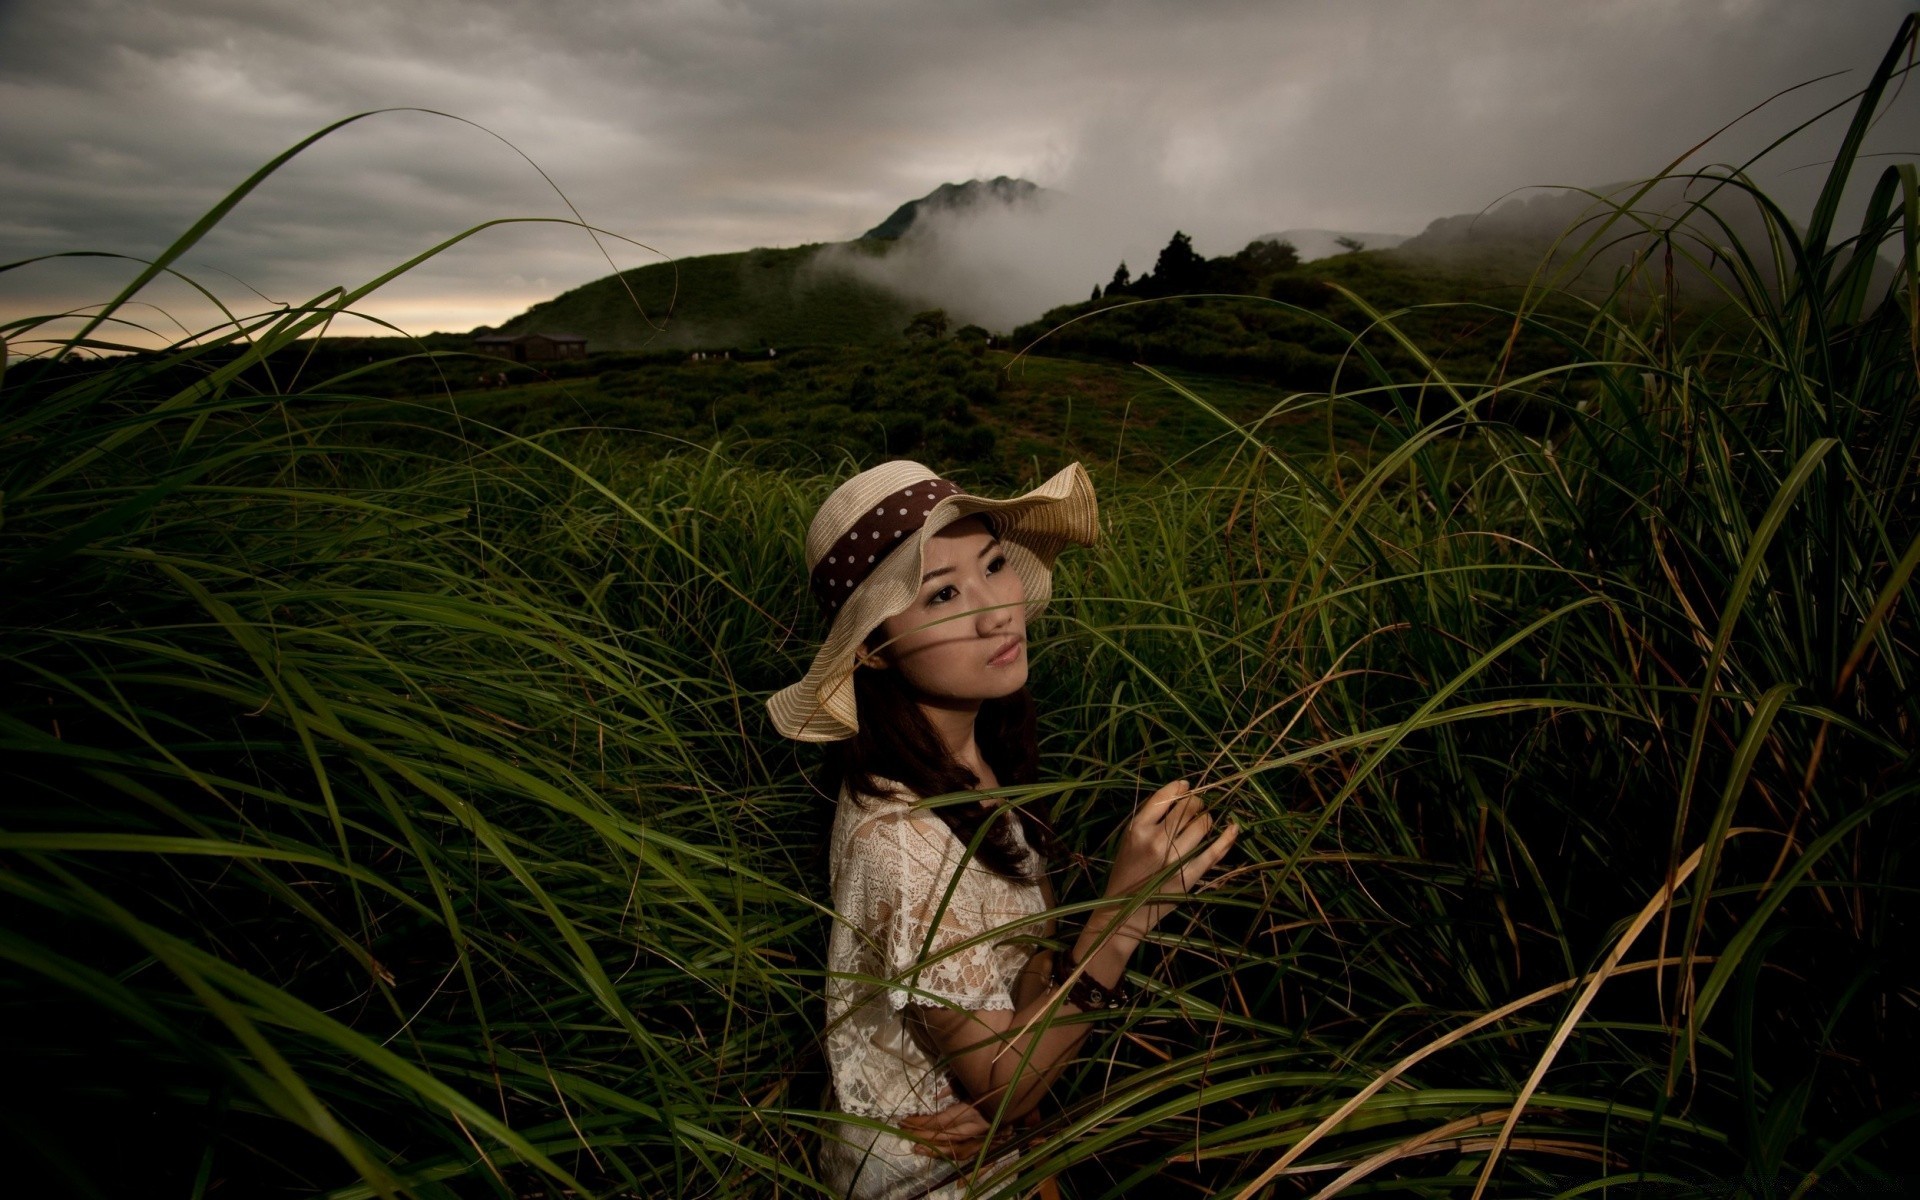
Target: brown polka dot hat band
{"x":865,"y":553}
{"x":853,"y":557}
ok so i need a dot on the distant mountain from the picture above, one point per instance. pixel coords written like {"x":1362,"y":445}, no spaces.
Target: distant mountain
{"x":954,"y":198}
{"x":1539,"y":218}
{"x":1514,"y":238}
{"x":1322,"y":243}
{"x":803,"y":295}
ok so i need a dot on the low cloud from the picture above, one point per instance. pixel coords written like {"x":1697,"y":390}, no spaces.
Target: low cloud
{"x":998,"y":266}
{"x":701,"y":126}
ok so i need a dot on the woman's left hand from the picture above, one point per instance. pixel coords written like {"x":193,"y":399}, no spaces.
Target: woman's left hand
{"x":957,"y":1131}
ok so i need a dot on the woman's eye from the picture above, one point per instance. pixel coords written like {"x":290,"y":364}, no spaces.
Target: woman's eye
{"x":998,"y":562}
{"x":940,"y":595}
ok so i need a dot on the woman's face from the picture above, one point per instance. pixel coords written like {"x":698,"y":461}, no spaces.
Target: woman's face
{"x":965,"y":636}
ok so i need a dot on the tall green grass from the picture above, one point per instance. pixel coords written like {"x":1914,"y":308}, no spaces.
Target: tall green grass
{"x":390,"y":810}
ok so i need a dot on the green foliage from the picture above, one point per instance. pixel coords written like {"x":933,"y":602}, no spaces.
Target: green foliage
{"x":930,"y":325}
{"x":388,"y":806}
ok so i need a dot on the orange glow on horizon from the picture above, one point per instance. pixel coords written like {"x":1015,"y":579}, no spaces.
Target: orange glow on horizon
{"x":141,"y":325}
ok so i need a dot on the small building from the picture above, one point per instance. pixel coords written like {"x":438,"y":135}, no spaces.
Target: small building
{"x":533,"y":347}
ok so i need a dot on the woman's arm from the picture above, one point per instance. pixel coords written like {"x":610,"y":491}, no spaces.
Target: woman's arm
{"x":1033,"y":977}
{"x":993,"y":1054}
{"x":993,"y":1061}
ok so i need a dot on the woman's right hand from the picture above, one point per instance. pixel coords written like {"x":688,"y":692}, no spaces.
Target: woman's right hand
{"x":957,"y":1131}
{"x":1167,"y":827}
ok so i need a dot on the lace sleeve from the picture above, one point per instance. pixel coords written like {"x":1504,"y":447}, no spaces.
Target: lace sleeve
{"x":908,"y":864}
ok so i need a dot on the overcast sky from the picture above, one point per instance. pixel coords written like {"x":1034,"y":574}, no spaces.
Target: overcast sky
{"x":698,"y":126}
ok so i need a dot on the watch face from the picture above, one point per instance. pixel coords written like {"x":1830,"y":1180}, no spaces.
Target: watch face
{"x":1086,"y":992}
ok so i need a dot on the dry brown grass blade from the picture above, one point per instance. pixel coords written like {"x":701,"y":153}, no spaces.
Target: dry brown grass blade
{"x":1418,"y":1144}
{"x":1654,"y":907}
{"x":1609,"y":969}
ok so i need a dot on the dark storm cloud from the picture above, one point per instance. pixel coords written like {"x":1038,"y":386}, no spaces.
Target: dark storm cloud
{"x":705,"y":126}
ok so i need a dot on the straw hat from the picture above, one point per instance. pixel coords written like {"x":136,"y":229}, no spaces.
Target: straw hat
{"x":865,"y":552}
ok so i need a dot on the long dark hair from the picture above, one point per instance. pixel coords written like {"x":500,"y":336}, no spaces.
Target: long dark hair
{"x":897,"y":742}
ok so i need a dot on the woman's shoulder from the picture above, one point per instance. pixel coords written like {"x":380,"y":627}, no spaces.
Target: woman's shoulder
{"x":891,"y":815}
{"x":884,"y":793}
{"x":863,"y":813}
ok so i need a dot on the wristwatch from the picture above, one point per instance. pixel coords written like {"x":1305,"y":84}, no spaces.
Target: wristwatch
{"x":1087,"y":994}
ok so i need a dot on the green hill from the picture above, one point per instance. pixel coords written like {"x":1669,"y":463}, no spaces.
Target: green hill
{"x":748,"y":300}
{"x":1303,"y":341}
{"x":798,"y":296}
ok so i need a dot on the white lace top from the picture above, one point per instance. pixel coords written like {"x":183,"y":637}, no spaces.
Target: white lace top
{"x":891,"y":866}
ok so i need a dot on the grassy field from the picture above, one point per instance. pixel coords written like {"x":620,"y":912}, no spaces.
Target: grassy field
{"x":984,"y":413}
{"x":390,"y":807}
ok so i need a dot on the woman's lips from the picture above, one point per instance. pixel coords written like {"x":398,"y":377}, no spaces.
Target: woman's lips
{"x":1007,"y":655}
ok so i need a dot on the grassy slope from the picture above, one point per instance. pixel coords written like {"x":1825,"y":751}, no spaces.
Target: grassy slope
{"x":977,"y":413}
{"x":751,"y":299}
{"x":1292,"y":327}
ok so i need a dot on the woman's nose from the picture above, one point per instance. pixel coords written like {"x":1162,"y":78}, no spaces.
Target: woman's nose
{"x":997,"y":614}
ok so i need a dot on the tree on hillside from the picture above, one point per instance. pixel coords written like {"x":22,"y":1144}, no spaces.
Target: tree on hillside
{"x":931,"y":324}
{"x":1177,"y":258}
{"x":1096,"y":293}
{"x":1121,"y":277}
{"x":1352,"y":245}
{"x":1248,"y":269}
{"x":1178,"y":269}
{"x":1252,"y":266}
{"x":1268,"y":257}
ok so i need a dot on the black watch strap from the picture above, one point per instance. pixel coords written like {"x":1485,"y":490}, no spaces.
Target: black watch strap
{"x":1087,"y":993}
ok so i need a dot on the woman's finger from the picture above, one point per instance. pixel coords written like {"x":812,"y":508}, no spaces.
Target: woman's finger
{"x":1214,"y":853}
{"x":1188,"y":840}
{"x":938,"y":1133}
{"x":965,"y":1124}
{"x":962,"y":1151}
{"x":1193,"y":816}
{"x":1160,"y":802}
{"x":944,"y":1094}
{"x":1177,"y":824}
{"x":1207,"y":859}
{"x":1176,"y":818}
{"x":957,"y":1116}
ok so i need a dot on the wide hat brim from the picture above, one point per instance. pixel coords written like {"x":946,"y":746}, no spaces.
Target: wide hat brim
{"x":1033,"y":529}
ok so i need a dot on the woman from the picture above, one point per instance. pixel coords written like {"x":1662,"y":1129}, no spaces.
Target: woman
{"x":939,"y":1005}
